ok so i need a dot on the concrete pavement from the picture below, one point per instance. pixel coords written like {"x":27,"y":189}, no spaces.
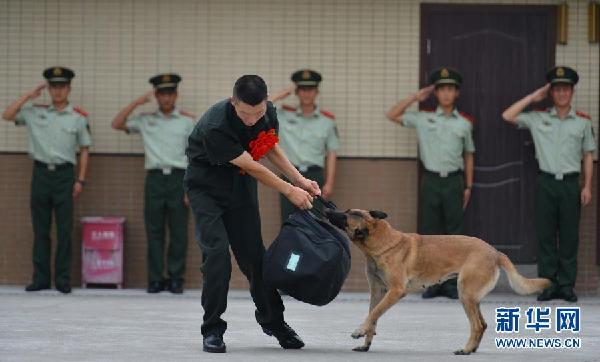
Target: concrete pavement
{"x":130,"y":325}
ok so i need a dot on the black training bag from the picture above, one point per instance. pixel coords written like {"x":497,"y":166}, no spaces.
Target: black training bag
{"x":309,"y":259}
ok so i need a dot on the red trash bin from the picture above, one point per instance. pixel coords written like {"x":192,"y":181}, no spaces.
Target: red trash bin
{"x":102,"y":250}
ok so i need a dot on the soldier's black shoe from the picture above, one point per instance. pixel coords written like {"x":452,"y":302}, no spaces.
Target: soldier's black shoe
{"x":548,"y":294}
{"x":176,"y":286}
{"x":34,"y":287}
{"x":451,"y":292}
{"x":432,"y":292}
{"x":568,"y":294}
{"x":64,"y":288}
{"x":213,"y":343}
{"x":155,"y":287}
{"x":286,"y":336}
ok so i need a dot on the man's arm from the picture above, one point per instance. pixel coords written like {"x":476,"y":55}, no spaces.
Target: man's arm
{"x":330,"y":164}
{"x":588,"y":170}
{"x":511,"y":113}
{"x":120,"y":120}
{"x":468,"y":157}
{"x":282,"y":94}
{"x":84,"y":154}
{"x":279,"y":159}
{"x":10,"y":113}
{"x":296,"y":195}
{"x":395,"y":113}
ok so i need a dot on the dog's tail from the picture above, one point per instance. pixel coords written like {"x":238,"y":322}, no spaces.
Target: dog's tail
{"x":519,"y":283}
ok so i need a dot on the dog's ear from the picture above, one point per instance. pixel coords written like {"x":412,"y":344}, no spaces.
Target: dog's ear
{"x":361,"y":234}
{"x":378,"y":214}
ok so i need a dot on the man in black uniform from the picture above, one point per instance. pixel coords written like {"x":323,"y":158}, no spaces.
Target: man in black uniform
{"x":220,"y":181}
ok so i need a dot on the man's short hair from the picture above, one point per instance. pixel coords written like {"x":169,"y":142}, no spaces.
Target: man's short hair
{"x":250,"y":89}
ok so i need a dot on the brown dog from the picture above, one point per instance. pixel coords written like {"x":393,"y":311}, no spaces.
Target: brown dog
{"x":398,"y":263}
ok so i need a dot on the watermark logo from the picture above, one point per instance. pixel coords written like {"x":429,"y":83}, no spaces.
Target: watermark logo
{"x":540,"y":320}
{"x":568,"y":319}
{"x":507,"y":320}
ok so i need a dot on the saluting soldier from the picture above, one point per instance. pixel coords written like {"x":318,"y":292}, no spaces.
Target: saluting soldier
{"x":562,"y":138}
{"x":164,"y":132}
{"x":308,"y":135}
{"x":446,"y":150}
{"x":223,"y":154}
{"x":57,"y":132}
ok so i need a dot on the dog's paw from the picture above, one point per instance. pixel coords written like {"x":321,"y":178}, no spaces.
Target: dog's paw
{"x":361,"y":349}
{"x":359,"y":333}
{"x":461,"y":352}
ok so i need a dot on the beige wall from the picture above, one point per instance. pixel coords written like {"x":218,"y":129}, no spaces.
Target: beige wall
{"x":368,"y":52}
{"x":387,"y":185}
{"x":383,"y":184}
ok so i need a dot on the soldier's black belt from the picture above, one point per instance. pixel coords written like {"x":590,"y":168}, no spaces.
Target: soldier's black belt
{"x":444,"y":174}
{"x":166,"y":170}
{"x":52,"y":166}
{"x":561,"y":176}
{"x":308,"y":168}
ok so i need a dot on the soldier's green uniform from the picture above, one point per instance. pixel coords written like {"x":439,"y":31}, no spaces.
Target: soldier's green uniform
{"x":54,"y":140}
{"x":443,"y":140}
{"x":559,"y":147}
{"x":306,"y":140}
{"x":165,"y":140}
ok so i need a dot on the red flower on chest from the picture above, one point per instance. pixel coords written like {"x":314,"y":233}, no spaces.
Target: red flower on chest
{"x":263,"y":143}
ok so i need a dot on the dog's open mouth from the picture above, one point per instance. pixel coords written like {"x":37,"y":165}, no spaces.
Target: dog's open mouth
{"x":337,"y":218}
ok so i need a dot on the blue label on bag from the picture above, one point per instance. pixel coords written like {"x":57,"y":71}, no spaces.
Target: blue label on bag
{"x":293,"y":262}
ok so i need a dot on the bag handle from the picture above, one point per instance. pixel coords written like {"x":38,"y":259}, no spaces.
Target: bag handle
{"x":318,"y":213}
{"x":328,"y":204}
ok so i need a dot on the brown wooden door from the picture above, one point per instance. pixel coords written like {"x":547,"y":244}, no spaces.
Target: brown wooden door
{"x":503,"y":53}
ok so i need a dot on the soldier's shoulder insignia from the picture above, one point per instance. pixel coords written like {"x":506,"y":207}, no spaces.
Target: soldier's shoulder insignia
{"x":428,"y":110}
{"x":584,"y":115}
{"x":187,"y":114}
{"x":41,"y":105}
{"x":328,"y":114}
{"x":468,"y":117}
{"x":287,"y":107}
{"x":81,"y":111}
